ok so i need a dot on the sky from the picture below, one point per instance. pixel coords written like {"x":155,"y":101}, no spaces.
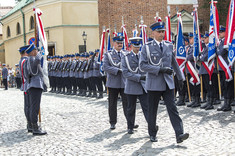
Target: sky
{"x":7,"y":2}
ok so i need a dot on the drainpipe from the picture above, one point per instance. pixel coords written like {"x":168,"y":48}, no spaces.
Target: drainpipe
{"x":23,"y":18}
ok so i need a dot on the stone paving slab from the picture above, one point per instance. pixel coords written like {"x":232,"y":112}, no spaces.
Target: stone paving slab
{"x":79,"y":126}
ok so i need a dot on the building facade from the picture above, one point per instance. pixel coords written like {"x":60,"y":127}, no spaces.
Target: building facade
{"x":111,"y":12}
{"x":3,"y":11}
{"x":64,"y":22}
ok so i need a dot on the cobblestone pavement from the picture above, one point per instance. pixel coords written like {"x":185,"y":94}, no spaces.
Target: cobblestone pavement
{"x":79,"y":126}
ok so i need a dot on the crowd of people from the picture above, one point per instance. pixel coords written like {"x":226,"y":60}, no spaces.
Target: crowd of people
{"x":10,"y":77}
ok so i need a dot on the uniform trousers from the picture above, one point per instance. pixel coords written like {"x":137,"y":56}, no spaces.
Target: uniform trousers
{"x":228,"y":88}
{"x":97,"y":83}
{"x":183,"y":91}
{"x":92,"y":84}
{"x":87,"y":86}
{"x":78,"y":83}
{"x":27,"y":106}
{"x":34,"y":102}
{"x":113,"y":97}
{"x":153,"y":101}
{"x":131,"y":108}
{"x":5,"y":83}
{"x":73,"y":83}
{"x":194,"y":88}
{"x":211,"y":88}
{"x":18,"y":82}
{"x":222,"y":82}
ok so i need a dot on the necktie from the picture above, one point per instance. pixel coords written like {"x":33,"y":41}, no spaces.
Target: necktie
{"x":161,"y":46}
{"x":137,"y":56}
{"x":119,"y":54}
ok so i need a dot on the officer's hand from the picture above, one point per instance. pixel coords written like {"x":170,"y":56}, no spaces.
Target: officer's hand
{"x":143,"y":77}
{"x":181,"y":84}
{"x":166,"y":70}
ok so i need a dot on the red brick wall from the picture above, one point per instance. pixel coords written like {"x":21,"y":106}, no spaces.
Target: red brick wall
{"x":111,"y":12}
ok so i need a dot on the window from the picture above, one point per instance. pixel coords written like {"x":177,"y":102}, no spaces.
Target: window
{"x":8,"y":31}
{"x":31,"y":23}
{"x":18,"y":31}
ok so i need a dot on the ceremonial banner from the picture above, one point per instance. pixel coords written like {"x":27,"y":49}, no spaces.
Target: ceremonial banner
{"x":43,"y":41}
{"x":231,"y":52}
{"x":168,"y":26}
{"x":126,"y":42}
{"x":135,"y":31}
{"x":102,"y":50}
{"x":230,"y":25}
{"x":180,"y":46}
{"x":108,"y":41}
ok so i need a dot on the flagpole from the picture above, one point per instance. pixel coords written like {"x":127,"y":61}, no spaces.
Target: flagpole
{"x":201,"y":87}
{"x":220,"y":93}
{"x":35,"y":35}
{"x":189,"y":95}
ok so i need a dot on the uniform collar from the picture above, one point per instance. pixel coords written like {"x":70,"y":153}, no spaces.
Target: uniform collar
{"x":135,"y":53}
{"x":158,"y":42}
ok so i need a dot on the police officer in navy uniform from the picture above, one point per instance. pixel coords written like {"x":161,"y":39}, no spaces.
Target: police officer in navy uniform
{"x":17,"y":78}
{"x":96,"y":75}
{"x":35,"y":85}
{"x":209,"y":85}
{"x":156,"y":59}
{"x":135,"y":83}
{"x":115,"y":80}
{"x":226,"y":86}
{"x":22,"y":65}
{"x":4,"y":76}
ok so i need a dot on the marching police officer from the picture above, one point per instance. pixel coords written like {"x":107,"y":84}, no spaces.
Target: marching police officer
{"x":156,"y":59}
{"x":135,"y":83}
{"x":115,"y":80}
{"x":35,"y":85}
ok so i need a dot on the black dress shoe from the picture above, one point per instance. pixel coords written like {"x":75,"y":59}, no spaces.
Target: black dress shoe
{"x":130,"y":131}
{"x":112,"y":127}
{"x":153,"y":139}
{"x":136,"y":126}
{"x":182,"y":137}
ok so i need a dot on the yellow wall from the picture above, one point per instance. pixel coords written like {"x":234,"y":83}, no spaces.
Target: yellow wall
{"x":64,"y":23}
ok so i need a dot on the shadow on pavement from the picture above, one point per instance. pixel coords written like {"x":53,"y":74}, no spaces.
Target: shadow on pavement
{"x":147,"y":148}
{"x":106,"y":134}
{"x":10,"y":138}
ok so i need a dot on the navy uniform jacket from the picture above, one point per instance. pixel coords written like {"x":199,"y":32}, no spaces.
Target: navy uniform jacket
{"x":33,"y":70}
{"x":17,"y":72}
{"x":24,"y":84}
{"x":222,"y":52}
{"x":132,"y":73}
{"x":112,"y":63}
{"x":4,"y":73}
{"x":189,"y":57}
{"x":151,"y":64}
{"x":82,"y":69}
{"x":96,"y":68}
{"x":71,"y":72}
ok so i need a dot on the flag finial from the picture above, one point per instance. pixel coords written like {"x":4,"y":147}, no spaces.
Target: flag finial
{"x":141,"y":20}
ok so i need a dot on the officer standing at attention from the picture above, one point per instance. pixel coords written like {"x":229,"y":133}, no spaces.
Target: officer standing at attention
{"x":35,"y":85}
{"x":156,"y":59}
{"x":4,"y":76}
{"x":24,"y":57}
{"x":135,"y":83}
{"x":115,"y":80}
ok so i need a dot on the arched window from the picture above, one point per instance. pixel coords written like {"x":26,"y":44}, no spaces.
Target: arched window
{"x":8,"y":31}
{"x":31,"y":23}
{"x":18,"y":31}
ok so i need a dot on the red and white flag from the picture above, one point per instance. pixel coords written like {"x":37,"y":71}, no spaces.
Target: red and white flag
{"x":126,"y":41}
{"x":230,"y":24}
{"x":168,"y":26}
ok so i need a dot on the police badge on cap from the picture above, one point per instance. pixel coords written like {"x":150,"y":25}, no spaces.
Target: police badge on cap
{"x":158,"y":26}
{"x":119,"y":38}
{"x":136,"y":41}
